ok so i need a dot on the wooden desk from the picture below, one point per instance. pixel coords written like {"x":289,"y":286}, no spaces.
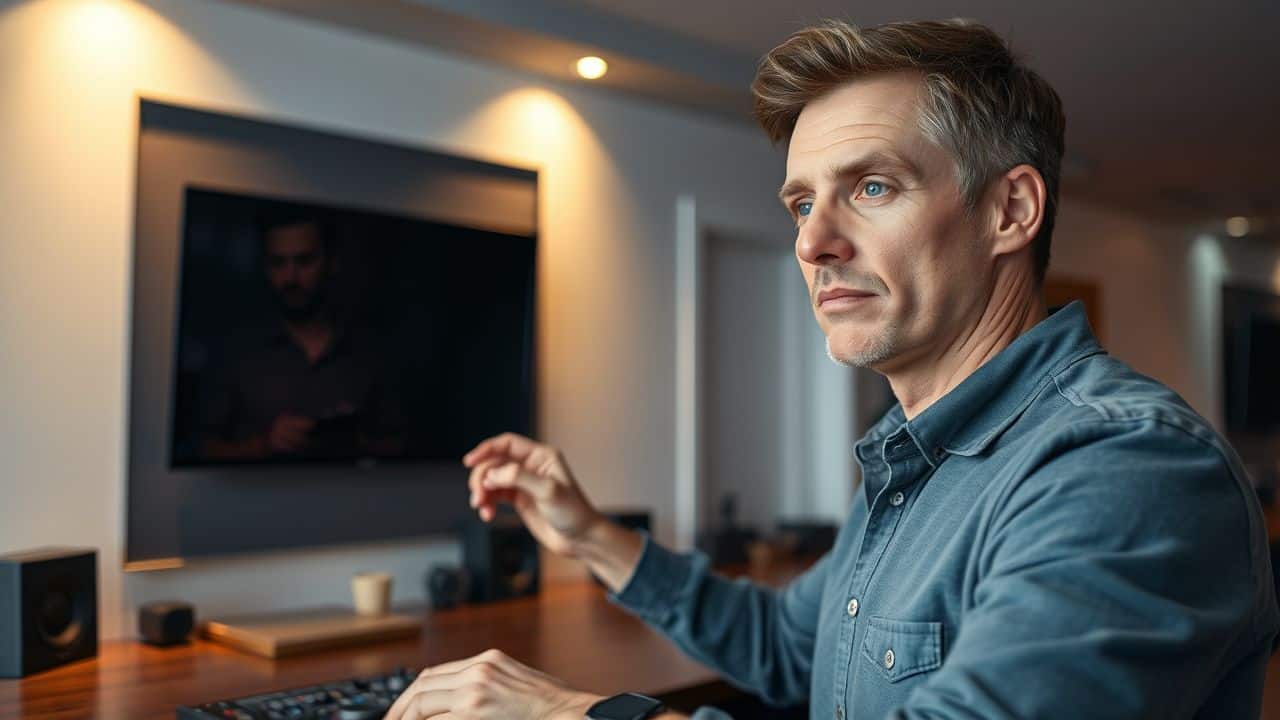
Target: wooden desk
{"x":571,"y":631}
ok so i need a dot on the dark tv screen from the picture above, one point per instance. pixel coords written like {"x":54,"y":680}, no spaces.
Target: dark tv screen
{"x":317,"y":333}
{"x":1262,"y":408}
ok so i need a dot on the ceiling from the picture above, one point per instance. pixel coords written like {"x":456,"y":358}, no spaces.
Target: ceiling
{"x":1173,"y":108}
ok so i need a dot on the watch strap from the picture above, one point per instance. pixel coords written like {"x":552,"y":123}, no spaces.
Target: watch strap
{"x":638,"y":707}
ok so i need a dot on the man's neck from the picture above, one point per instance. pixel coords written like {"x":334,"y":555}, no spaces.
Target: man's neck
{"x":1015,"y":306}
{"x":314,"y":335}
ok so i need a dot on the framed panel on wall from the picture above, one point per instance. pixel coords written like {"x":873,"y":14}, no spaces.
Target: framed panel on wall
{"x":322,"y":325}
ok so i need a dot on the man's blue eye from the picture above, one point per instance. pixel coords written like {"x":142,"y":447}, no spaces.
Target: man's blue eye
{"x":874,"y":189}
{"x":804,"y":208}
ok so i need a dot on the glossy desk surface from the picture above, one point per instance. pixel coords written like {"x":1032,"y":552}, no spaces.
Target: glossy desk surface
{"x":571,"y":631}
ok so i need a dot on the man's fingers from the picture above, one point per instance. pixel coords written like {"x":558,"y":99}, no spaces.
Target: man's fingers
{"x":513,"y":446}
{"x":437,"y":683}
{"x":492,"y":656}
{"x":436,"y":689}
{"x":513,"y":476}
{"x":415,"y":705}
{"x":474,"y":481}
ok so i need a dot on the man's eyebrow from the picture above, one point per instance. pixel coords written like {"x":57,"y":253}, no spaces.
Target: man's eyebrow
{"x":877,"y":160}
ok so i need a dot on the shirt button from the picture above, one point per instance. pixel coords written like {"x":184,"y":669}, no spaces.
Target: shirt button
{"x":888,"y":659}
{"x":897,"y":499}
{"x":853,"y":607}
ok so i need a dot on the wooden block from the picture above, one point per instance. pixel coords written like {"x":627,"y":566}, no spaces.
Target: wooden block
{"x":293,"y":632}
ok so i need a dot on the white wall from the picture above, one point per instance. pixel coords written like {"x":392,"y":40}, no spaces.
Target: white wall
{"x":71,"y":72}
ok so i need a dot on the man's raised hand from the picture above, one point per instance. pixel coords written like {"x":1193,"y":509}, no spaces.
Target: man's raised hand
{"x":535,"y":479}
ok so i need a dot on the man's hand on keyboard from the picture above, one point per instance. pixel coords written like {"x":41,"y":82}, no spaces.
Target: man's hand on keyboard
{"x":489,"y":685}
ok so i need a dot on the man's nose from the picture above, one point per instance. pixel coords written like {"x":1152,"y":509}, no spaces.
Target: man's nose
{"x":823,"y":240}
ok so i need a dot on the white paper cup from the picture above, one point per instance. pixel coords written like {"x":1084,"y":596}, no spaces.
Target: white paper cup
{"x":371,"y":593}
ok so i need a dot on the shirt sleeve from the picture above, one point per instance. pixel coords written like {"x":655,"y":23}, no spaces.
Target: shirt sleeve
{"x":1121,"y":579}
{"x":760,"y":639}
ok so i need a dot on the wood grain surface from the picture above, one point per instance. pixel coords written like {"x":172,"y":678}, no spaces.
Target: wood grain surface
{"x":571,"y":631}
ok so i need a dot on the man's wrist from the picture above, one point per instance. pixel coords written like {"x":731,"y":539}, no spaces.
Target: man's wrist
{"x":610,"y":551}
{"x":575,"y":707}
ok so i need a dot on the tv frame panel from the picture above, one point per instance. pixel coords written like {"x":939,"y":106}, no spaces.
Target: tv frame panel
{"x":177,"y":515}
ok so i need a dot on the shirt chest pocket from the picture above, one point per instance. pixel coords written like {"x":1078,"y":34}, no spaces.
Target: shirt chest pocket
{"x":900,"y":649}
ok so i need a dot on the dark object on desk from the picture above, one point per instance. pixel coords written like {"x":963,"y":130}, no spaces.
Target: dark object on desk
{"x":501,"y":558}
{"x":446,"y":586}
{"x":807,"y":538}
{"x":362,"y":698}
{"x":632,"y":519}
{"x":166,"y":623}
{"x":48,"y":609}
{"x":727,"y":543}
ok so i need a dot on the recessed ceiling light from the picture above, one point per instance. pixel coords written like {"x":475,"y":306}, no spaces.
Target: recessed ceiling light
{"x":592,"y":67}
{"x":1238,"y":226}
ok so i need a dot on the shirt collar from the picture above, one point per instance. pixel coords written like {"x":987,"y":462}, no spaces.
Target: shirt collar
{"x":967,"y":419}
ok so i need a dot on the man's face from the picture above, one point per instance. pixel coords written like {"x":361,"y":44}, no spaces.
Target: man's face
{"x":880,"y":218}
{"x":296,"y":267}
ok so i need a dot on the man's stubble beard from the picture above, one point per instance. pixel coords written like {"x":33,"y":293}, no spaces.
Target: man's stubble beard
{"x":881,"y":348}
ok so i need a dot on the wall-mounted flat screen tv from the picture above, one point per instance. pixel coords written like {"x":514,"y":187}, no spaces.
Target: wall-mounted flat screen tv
{"x":315,"y":333}
{"x":1251,"y":360}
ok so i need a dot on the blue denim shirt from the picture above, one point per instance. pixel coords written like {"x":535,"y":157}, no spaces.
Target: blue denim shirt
{"x":1058,"y":536}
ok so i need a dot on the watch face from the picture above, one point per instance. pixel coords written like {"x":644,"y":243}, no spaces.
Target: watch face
{"x":624,"y":707}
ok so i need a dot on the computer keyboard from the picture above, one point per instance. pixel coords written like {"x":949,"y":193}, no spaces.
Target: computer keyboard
{"x":363,"y":698}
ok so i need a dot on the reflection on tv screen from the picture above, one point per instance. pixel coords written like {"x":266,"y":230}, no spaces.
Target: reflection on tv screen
{"x":316,"y":333}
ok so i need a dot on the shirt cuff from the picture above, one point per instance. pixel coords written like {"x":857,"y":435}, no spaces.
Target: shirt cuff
{"x":655,"y":582}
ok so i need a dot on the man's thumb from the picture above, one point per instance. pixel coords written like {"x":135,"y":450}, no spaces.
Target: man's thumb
{"x":512,"y":475}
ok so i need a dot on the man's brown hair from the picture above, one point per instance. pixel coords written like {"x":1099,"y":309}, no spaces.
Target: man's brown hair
{"x":979,"y":102}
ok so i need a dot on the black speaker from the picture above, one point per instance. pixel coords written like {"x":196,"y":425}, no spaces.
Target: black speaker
{"x":48,"y":609}
{"x":501,"y":559}
{"x":166,"y":623}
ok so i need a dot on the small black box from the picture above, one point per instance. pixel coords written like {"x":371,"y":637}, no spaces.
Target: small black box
{"x":48,"y":609}
{"x":165,"y":623}
{"x":501,"y":558}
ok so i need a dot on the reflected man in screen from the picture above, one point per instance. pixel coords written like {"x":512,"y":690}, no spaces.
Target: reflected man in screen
{"x":309,"y":385}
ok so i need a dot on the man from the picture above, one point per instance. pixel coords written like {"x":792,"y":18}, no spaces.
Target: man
{"x":1040,"y":530}
{"x":308,"y":385}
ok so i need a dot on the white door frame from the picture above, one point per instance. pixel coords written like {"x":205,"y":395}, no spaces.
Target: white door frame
{"x":688,"y":459}
{"x":836,"y":478}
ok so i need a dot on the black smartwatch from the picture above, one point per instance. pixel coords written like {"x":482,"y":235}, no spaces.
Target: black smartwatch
{"x":627,"y":706}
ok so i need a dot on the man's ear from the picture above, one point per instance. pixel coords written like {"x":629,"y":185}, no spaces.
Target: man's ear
{"x":1017,"y":202}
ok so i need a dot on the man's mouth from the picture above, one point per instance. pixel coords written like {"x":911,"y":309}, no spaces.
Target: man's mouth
{"x":839,"y":299}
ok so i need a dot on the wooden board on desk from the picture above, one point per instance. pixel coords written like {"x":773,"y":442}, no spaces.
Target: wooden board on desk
{"x":298,"y":631}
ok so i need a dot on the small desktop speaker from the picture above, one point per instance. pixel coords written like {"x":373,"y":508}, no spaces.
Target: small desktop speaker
{"x":501,"y":558}
{"x":166,"y":623}
{"x":48,"y":609}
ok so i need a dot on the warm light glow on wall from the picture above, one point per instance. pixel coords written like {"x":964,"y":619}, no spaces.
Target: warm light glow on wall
{"x":592,"y":67}
{"x":545,"y":127}
{"x":102,"y":27}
